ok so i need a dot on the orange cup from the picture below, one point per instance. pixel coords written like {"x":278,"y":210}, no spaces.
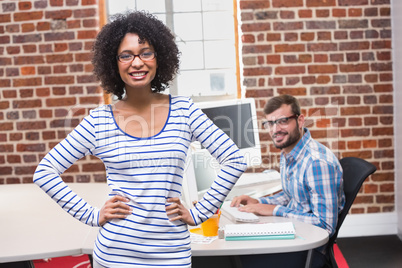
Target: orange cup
{"x":210,"y":227}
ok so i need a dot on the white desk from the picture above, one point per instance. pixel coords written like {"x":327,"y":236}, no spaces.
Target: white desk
{"x":307,"y":237}
{"x":33,"y":226}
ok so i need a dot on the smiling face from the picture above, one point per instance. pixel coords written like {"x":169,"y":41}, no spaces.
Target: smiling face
{"x":137,"y":74}
{"x":286,"y":137}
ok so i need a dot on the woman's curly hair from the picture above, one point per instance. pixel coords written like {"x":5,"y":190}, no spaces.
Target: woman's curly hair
{"x":148,"y":27}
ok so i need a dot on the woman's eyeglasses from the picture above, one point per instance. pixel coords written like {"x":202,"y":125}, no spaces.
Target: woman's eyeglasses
{"x":145,"y":56}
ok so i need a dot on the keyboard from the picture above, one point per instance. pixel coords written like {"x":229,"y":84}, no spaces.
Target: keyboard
{"x":254,"y":179}
{"x":235,"y":215}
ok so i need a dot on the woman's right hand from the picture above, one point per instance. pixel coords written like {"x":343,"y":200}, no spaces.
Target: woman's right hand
{"x":114,"y":208}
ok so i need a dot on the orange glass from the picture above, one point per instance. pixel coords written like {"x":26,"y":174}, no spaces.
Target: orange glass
{"x":210,"y":227}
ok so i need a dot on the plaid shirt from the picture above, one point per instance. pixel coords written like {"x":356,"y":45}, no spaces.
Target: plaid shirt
{"x":312,"y":185}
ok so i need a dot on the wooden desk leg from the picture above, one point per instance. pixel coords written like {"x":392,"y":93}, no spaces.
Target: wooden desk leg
{"x":309,"y":257}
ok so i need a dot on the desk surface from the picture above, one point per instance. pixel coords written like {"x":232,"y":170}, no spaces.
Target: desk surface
{"x":33,"y":226}
{"x":307,"y":237}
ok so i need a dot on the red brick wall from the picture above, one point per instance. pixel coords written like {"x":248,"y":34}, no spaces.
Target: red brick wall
{"x":46,"y":83}
{"x":335,"y":56}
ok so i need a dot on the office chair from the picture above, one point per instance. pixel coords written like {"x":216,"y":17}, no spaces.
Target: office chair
{"x":355,"y":171}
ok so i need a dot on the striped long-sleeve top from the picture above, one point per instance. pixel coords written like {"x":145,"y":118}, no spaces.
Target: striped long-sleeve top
{"x":147,"y":171}
{"x":312,"y":185}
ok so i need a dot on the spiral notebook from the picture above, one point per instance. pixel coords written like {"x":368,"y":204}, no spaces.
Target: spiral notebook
{"x":260,"y":231}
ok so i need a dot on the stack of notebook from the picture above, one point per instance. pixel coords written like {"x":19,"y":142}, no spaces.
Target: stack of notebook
{"x":260,"y":231}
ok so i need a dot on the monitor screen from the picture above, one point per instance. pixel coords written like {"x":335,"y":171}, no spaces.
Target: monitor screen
{"x":236,"y":121}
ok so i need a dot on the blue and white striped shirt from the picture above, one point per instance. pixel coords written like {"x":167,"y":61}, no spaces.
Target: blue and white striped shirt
{"x":312,"y":185}
{"x":147,"y":171}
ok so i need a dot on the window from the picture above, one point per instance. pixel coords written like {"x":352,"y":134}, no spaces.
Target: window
{"x":205,"y":35}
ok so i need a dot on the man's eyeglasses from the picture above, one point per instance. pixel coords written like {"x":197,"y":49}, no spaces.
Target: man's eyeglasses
{"x":282,"y":122}
{"x":145,"y":56}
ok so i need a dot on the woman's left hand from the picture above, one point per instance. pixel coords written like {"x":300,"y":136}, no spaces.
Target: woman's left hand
{"x":182,"y":213}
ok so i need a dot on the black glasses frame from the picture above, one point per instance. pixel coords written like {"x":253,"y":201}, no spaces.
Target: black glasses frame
{"x":134,"y":56}
{"x":284,"y":120}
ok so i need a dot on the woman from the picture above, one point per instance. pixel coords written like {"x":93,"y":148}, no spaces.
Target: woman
{"x":143,"y":140}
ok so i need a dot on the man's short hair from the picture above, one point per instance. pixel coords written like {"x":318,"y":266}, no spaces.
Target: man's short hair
{"x":276,"y":102}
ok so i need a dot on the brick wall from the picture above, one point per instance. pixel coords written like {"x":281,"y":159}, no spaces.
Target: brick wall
{"x":335,"y":56}
{"x":46,"y":83}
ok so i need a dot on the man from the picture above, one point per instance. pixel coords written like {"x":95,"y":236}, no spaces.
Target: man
{"x":312,"y":185}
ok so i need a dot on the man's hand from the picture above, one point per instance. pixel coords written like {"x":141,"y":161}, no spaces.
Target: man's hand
{"x":252,"y":205}
{"x":259,"y":209}
{"x":243,"y":200}
{"x":114,"y":208}
{"x":178,"y":211}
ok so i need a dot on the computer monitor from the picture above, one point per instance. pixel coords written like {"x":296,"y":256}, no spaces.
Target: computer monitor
{"x":238,"y":119}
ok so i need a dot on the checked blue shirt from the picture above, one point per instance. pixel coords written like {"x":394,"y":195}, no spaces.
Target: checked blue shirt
{"x":312,"y":185}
